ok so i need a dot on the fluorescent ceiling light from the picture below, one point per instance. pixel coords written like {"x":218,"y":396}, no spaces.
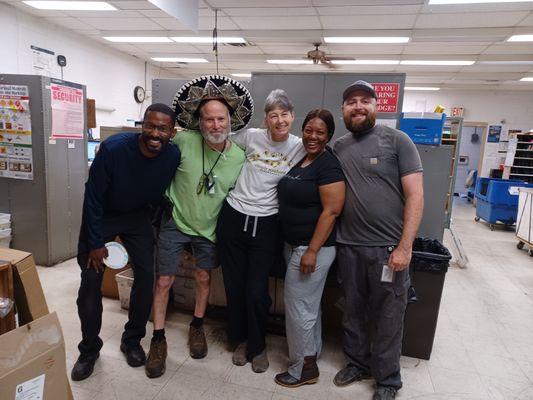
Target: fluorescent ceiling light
{"x":428,"y":88}
{"x":369,"y":39}
{"x":365,"y":62}
{"x":180,"y":59}
{"x":527,"y":79}
{"x":521,"y":38}
{"x":290,"y":61}
{"x":71,"y":5}
{"x":242,"y":75}
{"x":474,"y":1}
{"x":139,"y":39}
{"x":207,"y":39}
{"x":435,"y":62}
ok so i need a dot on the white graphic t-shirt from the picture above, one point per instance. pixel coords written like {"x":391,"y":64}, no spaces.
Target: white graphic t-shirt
{"x":266,"y":163}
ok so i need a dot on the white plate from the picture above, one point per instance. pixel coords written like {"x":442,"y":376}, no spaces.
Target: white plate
{"x":118,"y":256}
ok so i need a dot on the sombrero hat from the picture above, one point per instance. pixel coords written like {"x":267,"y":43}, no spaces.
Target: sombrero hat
{"x":213,"y":87}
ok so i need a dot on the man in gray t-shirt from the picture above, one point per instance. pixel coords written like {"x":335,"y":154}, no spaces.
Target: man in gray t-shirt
{"x":375,"y":233}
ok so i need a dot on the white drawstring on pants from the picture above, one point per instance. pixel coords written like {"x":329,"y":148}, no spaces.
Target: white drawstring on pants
{"x":254,"y":230}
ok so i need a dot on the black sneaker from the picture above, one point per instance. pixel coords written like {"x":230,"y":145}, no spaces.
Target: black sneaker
{"x":350,"y":374}
{"x":84,"y":366}
{"x":135,"y":355}
{"x":384,"y":393}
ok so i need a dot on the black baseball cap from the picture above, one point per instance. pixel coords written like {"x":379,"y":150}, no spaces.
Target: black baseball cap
{"x":359,"y":85}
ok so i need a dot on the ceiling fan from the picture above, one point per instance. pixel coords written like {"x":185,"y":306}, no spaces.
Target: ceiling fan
{"x":319,"y":57}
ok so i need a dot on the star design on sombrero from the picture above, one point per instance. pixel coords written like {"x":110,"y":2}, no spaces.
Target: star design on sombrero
{"x":228,"y":91}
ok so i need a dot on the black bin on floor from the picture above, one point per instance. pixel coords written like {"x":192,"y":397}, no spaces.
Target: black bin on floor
{"x":428,"y":268}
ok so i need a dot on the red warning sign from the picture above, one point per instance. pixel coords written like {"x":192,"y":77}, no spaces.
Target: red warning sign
{"x":387,"y":97}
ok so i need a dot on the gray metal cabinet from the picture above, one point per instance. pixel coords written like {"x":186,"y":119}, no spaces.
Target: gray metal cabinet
{"x":46,"y":211}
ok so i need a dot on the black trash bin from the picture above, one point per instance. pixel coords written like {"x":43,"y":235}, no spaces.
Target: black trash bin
{"x":428,"y":268}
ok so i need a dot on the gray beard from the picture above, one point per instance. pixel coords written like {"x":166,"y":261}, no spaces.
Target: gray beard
{"x":210,"y":138}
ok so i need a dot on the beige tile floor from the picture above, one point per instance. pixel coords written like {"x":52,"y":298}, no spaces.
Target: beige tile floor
{"x":483,"y":347}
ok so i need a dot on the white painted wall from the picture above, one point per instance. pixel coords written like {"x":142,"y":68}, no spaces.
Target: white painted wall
{"x":109,"y":75}
{"x":516,"y":108}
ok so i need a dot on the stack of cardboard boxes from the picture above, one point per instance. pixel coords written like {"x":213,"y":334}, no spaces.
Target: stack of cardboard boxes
{"x":32,"y":357}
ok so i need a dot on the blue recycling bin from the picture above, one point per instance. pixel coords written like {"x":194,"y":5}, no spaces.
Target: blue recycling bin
{"x":497,"y":200}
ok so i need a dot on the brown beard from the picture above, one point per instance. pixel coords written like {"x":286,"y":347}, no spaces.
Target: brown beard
{"x":367,"y":124}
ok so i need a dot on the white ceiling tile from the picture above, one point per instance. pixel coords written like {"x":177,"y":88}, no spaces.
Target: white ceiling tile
{"x":257,"y":3}
{"x":229,"y":49}
{"x":369,"y":10}
{"x":208,"y":23}
{"x":355,"y":49}
{"x":270,"y":11}
{"x":430,"y":48}
{"x":127,"y":48}
{"x":133,"y":5}
{"x":111,"y":24}
{"x":510,"y":48}
{"x":469,"y":20}
{"x":89,"y":32}
{"x":323,"y":3}
{"x":166,"y":48}
{"x":104,"y":14}
{"x":300,"y":50}
{"x":528,"y":21}
{"x":500,"y":68}
{"x":368,"y":22}
{"x":69,"y":22}
{"x":154,"y":13}
{"x":429,"y":68}
{"x":169,"y":23}
{"x":273,"y":23}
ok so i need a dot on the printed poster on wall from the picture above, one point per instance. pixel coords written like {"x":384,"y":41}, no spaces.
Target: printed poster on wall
{"x":387,"y":97}
{"x":43,"y":61}
{"x":68,"y":119}
{"x":16,"y":159}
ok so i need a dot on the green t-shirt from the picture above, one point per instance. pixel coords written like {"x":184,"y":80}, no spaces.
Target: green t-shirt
{"x":196,"y":214}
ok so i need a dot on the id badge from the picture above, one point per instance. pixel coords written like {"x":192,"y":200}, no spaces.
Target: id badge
{"x":211,"y":185}
{"x":387,"y":274}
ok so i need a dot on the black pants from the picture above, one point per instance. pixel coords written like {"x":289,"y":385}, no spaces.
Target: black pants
{"x":135,"y":232}
{"x":247,"y":256}
{"x":371,"y":303}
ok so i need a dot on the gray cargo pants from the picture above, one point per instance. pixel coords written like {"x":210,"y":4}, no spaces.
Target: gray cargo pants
{"x":302,"y":296}
{"x":372,"y":306}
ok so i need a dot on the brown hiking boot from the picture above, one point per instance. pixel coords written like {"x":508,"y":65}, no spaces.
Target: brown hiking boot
{"x":197,"y":342}
{"x":156,"y":363}
{"x":309,"y":375}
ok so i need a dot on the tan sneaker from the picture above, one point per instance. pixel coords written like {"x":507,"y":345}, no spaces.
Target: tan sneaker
{"x":239,"y":355}
{"x":197,"y":342}
{"x":156,"y":363}
{"x":260,"y":362}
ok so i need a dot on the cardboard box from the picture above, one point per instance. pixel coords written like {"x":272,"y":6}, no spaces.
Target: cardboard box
{"x":91,"y":113}
{"x":33,"y":363}
{"x":106,"y":131}
{"x":29,"y":296}
{"x":6,"y":290}
{"x":109,"y":282}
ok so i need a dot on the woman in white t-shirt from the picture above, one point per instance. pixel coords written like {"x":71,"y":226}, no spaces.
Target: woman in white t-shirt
{"x":248,"y":228}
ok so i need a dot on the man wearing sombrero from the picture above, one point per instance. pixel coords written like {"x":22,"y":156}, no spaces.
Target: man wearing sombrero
{"x":208,"y":107}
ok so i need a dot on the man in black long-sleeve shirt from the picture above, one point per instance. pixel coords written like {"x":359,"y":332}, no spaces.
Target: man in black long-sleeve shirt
{"x":130,"y":172}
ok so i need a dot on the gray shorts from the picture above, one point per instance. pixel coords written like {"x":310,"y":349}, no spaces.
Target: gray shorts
{"x":172,"y":242}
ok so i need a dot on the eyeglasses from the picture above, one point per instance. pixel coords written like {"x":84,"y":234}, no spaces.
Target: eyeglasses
{"x":205,"y":184}
{"x":149,"y":127}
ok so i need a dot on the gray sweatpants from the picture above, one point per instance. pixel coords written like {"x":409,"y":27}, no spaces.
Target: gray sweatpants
{"x":376,"y":304}
{"x":302,"y":294}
